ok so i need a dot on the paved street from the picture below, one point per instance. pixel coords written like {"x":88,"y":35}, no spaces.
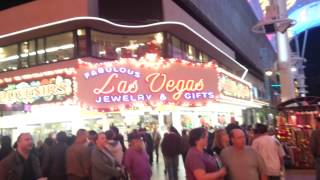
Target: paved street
{"x":158,"y":172}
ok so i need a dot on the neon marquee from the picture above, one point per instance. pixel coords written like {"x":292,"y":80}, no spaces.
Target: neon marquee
{"x":115,"y":84}
{"x":48,"y":89}
{"x":231,"y":87}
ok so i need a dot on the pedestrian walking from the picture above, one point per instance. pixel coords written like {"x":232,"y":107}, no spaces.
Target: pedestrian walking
{"x":6,"y":148}
{"x":136,"y":159}
{"x":53,"y":165}
{"x":221,"y":141}
{"x":148,"y":141}
{"x":21,"y":164}
{"x":119,"y":137}
{"x":184,"y":144}
{"x":92,"y":135}
{"x":156,"y":137}
{"x":78,"y":158}
{"x":114,"y":146}
{"x":104,"y":165}
{"x":171,"y":148}
{"x":242,"y":162}
{"x":199,"y":164}
{"x":270,"y":150}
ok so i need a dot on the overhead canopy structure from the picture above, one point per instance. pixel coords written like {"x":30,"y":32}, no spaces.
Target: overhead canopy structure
{"x":310,"y":103}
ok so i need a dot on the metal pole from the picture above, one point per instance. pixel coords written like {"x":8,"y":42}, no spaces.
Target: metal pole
{"x":304,"y":43}
{"x":296,"y":40}
{"x":284,"y":60}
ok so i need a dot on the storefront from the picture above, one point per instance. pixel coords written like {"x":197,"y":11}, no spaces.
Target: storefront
{"x":129,"y":93}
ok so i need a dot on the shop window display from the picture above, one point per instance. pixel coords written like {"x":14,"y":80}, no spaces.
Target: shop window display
{"x":28,"y":54}
{"x":9,"y":58}
{"x":42,"y":131}
{"x":59,"y":47}
{"x":112,"y":46}
{"x":295,"y":123}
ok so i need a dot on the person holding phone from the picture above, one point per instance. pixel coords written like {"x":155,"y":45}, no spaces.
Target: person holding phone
{"x":199,"y":164}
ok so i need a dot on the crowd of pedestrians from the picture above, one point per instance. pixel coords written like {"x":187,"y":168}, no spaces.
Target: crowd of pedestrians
{"x":233,"y":153}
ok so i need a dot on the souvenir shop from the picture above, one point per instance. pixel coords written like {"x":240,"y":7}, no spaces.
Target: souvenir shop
{"x":295,"y":122}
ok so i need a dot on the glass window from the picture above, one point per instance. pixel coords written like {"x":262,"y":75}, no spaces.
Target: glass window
{"x":191,"y":52}
{"x":59,"y":47}
{"x":28,"y":54}
{"x":82,"y":42}
{"x":41,"y":51}
{"x":111,"y":46}
{"x":203,"y":57}
{"x":175,"y":47}
{"x":9,"y":58}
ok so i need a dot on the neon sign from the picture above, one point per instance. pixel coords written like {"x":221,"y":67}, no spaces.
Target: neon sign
{"x":114,"y":84}
{"x":49,"y":89}
{"x":233,"y":88}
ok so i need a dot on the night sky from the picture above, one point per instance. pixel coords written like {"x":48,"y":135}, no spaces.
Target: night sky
{"x":4,"y":4}
{"x":312,"y":54}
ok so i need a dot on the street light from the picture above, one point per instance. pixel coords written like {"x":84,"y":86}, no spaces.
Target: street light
{"x":268,"y":73}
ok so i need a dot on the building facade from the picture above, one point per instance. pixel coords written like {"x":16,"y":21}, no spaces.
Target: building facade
{"x":102,"y":63}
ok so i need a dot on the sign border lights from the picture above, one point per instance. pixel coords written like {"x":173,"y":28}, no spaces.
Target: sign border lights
{"x":51,"y":89}
{"x":130,"y":83}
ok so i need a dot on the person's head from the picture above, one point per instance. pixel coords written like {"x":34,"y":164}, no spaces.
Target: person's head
{"x":48,"y":141}
{"x":24,"y":142}
{"x":71,"y":139}
{"x":92,"y":136}
{"x":173,"y":130}
{"x":198,"y":137}
{"x":221,"y":138}
{"x":184,"y":132}
{"x":100,"y":140}
{"x":110,"y":135}
{"x":61,"y":137}
{"x":136,"y":141}
{"x":260,"y":129}
{"x":238,"y":138}
{"x":6,"y":142}
{"x":82,"y":136}
{"x":114,"y":129}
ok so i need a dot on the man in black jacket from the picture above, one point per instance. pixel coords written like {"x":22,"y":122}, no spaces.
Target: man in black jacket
{"x":21,"y":164}
{"x":171,"y":148}
{"x":54,"y":161}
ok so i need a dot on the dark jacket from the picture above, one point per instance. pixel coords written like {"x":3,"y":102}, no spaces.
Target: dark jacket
{"x":11,"y":168}
{"x":103,"y":167}
{"x":171,"y":145}
{"x":54,"y":162}
{"x":78,"y":160}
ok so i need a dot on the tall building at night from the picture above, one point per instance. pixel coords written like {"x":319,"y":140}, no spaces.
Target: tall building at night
{"x":186,"y":63}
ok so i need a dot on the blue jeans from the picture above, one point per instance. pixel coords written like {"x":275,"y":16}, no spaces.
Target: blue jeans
{"x":171,"y":164}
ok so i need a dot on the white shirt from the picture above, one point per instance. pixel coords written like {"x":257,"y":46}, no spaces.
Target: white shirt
{"x":270,"y":150}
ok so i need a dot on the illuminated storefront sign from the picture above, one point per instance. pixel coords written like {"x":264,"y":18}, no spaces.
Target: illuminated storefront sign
{"x":115,"y":84}
{"x":230,"y":87}
{"x":43,"y":90}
